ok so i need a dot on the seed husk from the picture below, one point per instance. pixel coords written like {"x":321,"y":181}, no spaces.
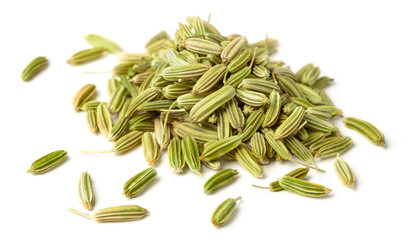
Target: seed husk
{"x":366,"y":129}
{"x":245,"y":157}
{"x":121,"y":213}
{"x":223,"y":212}
{"x":135,"y":185}
{"x":83,"y":95}
{"x":48,"y":162}
{"x":34,"y":67}
{"x":85,"y":191}
{"x":219,"y":179}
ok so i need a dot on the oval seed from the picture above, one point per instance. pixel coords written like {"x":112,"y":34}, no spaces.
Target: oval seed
{"x":219,"y":179}
{"x":34,"y":67}
{"x":223,"y":212}
{"x":48,"y":162}
{"x":297,"y":173}
{"x":232,"y":49}
{"x":115,"y":214}
{"x":334,"y":147}
{"x":366,"y":129}
{"x":235,"y":115}
{"x":86,"y":56}
{"x":291,"y":124}
{"x":187,"y":71}
{"x":83,"y":95}
{"x":104,"y":120}
{"x":219,"y":148}
{"x":258,"y":144}
{"x":151,"y":149}
{"x":91,"y":120}
{"x":176,"y":161}
{"x":253,"y":123}
{"x":273,"y":111}
{"x":223,"y":125}
{"x":85,"y":191}
{"x":102,"y":42}
{"x":202,"y":46}
{"x":246,"y":159}
{"x":252,"y":98}
{"x":135,"y":185}
{"x":343,"y":172}
{"x":209,"y":79}
{"x":302,"y":187}
{"x":190,"y":153}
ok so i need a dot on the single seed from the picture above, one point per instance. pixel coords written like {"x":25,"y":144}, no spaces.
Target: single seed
{"x":102,"y":42}
{"x":302,"y":187}
{"x":297,"y":173}
{"x":115,"y":214}
{"x":343,"y":172}
{"x":48,"y":162}
{"x":135,"y":185}
{"x":151,"y":149}
{"x":34,"y":67}
{"x":219,"y":179}
{"x":366,"y":129}
{"x":223,"y":212}
{"x":83,"y":95}
{"x":85,"y":191}
{"x":86,"y":56}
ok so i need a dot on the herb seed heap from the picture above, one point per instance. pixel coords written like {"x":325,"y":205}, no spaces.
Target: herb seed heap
{"x":204,"y":97}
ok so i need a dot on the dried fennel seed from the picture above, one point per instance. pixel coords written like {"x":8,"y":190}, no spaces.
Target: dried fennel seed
{"x":207,"y":97}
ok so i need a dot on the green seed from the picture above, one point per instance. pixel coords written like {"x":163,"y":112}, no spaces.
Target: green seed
{"x":83,"y":95}
{"x":235,"y":115}
{"x":259,"y":85}
{"x":117,"y":99}
{"x":190,"y":153}
{"x":223,"y":212}
{"x":204,"y":108}
{"x":366,"y":129}
{"x":115,"y":214}
{"x":102,"y":42}
{"x":219,"y":148}
{"x":104,"y":120}
{"x":91,"y":118}
{"x":176,"y":161}
{"x":85,"y":56}
{"x":85,"y":191}
{"x":223,"y":125}
{"x":209,"y":79}
{"x":219,"y":179}
{"x":245,"y":157}
{"x":258,"y":144}
{"x":344,"y":172}
{"x":232,"y":49}
{"x":34,"y":67}
{"x":48,"y":162}
{"x":291,"y":124}
{"x":252,"y":98}
{"x":151,"y":149}
{"x":90,"y":105}
{"x":297,"y":173}
{"x":202,"y":46}
{"x":273,"y":111}
{"x":253,"y":123}
{"x":335,"y":147}
{"x":184,"y":72}
{"x":239,"y":61}
{"x":135,"y":185}
{"x":302,"y":187}
{"x":199,"y":133}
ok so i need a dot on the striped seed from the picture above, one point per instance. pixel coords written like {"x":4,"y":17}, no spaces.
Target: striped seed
{"x":104,"y":120}
{"x":316,"y":145}
{"x":219,"y":179}
{"x":202,"y":46}
{"x":184,"y":71}
{"x":338,"y":146}
{"x":190,"y":153}
{"x":214,"y":164}
{"x":48,"y":162}
{"x":135,"y":185}
{"x":161,"y":35}
{"x":34,"y":67}
{"x":124,"y":109}
{"x":209,"y":79}
{"x":308,"y":74}
{"x":299,"y":150}
{"x":289,"y":86}
{"x":291,"y":124}
{"x":204,"y":108}
{"x":239,"y":61}
{"x":260,"y":71}
{"x":209,"y":28}
{"x":366,"y":129}
{"x":252,"y":98}
{"x":302,"y":187}
{"x":137,"y":102}
{"x":162,"y":133}
{"x":245,"y":157}
{"x":223,"y":125}
{"x":259,"y":85}
{"x":319,"y":125}
{"x":223,"y":212}
{"x":234,"y":115}
{"x":90,"y":105}
{"x":150,"y":148}
{"x":85,"y":191}
{"x":130,"y":88}
{"x":115,"y":214}
{"x":310,"y":94}
{"x":232,"y":49}
{"x":302,"y":102}
{"x":118,"y":129}
{"x":236,"y":78}
{"x":273,"y":111}
{"x":102,"y":42}
{"x":86,"y":56}
{"x":343,"y":172}
{"x":188,"y":100}
{"x":118,"y":98}
{"x":302,"y":134}
{"x":174,"y":150}
{"x":258,"y":144}
{"x":83,"y":95}
{"x":321,"y":82}
{"x":199,"y":133}
{"x":219,"y":148}
{"x":175,"y":90}
{"x":91,"y":121}
{"x":253,"y":123}
{"x":297,"y":173}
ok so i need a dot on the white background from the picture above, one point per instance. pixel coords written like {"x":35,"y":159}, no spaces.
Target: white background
{"x":364,"y":45}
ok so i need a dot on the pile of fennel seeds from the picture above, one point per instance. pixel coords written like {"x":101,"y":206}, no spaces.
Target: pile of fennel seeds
{"x":205,"y":98}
